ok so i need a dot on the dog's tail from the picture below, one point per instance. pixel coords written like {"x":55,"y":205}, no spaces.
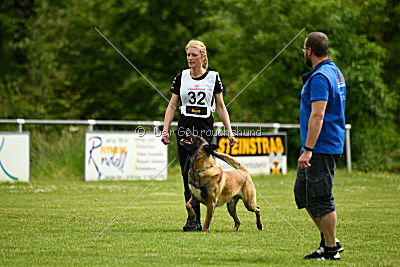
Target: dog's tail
{"x":230,"y":160}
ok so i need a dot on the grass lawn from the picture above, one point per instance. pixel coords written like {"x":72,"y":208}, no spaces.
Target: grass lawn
{"x":55,"y":222}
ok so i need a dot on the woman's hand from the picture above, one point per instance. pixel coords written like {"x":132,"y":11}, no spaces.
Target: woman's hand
{"x":165,"y":137}
{"x":232,"y":139}
{"x":169,"y":115}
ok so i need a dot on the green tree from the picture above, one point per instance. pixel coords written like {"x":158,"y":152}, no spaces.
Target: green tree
{"x":248,"y":34}
{"x":55,"y":65}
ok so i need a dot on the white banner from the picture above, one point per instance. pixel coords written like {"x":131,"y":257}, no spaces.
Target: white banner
{"x":124,"y":156}
{"x":271,"y":164}
{"x":14,"y":156}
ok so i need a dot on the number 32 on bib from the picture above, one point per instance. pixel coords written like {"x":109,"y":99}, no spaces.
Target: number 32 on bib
{"x":197,"y":96}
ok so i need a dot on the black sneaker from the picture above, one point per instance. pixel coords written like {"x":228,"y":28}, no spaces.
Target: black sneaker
{"x":339,"y":247}
{"x":321,"y":254}
{"x":192,"y":226}
{"x":331,"y":253}
{"x":316,"y":255}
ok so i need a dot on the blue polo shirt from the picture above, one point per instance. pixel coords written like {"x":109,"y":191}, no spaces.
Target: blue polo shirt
{"x":325,"y":82}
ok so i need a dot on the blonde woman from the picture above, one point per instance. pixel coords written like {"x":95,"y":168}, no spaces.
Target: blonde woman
{"x":198,"y":92}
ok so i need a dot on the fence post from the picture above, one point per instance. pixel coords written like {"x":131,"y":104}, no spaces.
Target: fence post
{"x":276,"y":127}
{"x":348,"y":148}
{"x":219,"y":126}
{"x":20,"y":123}
{"x":156,"y":129}
{"x":91,"y":123}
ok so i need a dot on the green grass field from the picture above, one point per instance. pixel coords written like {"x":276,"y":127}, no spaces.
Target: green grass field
{"x":55,"y":222}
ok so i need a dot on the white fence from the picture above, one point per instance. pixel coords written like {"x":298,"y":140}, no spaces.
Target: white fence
{"x":156,"y":124}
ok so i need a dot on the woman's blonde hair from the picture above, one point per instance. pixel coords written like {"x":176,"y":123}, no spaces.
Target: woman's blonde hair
{"x":202,"y":48}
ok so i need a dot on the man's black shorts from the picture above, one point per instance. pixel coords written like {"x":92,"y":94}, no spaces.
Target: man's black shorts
{"x":313,"y":187}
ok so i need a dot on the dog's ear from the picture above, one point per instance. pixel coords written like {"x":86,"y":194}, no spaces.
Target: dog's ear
{"x":210,"y":149}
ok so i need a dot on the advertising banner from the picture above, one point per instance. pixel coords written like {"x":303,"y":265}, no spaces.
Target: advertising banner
{"x":14,"y":156}
{"x":124,"y":156}
{"x":263,"y":153}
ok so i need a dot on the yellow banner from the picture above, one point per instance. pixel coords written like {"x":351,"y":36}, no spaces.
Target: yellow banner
{"x":253,"y":146}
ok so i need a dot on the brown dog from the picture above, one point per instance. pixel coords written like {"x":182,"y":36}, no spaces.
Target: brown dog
{"x":213,"y":187}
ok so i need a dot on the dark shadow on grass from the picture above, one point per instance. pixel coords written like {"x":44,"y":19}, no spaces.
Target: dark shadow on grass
{"x":140,"y":231}
{"x":166,"y":230}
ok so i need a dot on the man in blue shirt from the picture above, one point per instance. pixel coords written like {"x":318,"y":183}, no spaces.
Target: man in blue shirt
{"x":322,"y":131}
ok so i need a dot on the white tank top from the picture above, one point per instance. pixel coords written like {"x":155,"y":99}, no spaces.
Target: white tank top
{"x":197,"y":96}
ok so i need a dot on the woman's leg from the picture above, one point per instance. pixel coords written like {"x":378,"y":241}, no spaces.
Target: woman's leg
{"x":184,"y":161}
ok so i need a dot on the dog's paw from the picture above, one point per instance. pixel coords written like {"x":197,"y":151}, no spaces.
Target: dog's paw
{"x":205,"y":231}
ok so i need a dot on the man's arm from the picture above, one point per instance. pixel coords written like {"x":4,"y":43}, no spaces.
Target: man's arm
{"x":314,"y":128}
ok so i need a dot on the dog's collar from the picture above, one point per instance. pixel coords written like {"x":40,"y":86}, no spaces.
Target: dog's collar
{"x":202,"y":170}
